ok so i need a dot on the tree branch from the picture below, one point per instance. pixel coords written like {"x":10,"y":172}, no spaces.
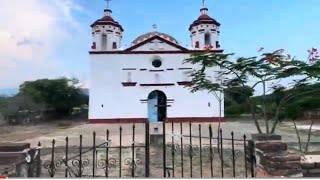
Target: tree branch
{"x":298,"y":135}
{"x":285,"y":100}
{"x":309,"y":137}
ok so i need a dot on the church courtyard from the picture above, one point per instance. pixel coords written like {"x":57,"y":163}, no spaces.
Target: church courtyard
{"x":59,"y":130}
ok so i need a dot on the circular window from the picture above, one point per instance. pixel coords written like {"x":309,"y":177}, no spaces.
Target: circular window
{"x":156,"y":63}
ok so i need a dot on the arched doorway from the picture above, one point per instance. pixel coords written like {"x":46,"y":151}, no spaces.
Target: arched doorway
{"x":157,"y":106}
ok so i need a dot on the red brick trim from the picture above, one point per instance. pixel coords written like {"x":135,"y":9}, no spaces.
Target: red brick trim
{"x":156,"y":52}
{"x":145,"y":100}
{"x":169,"y":120}
{"x":118,"y":121}
{"x":195,"y":119}
{"x":159,"y":70}
{"x":143,"y":69}
{"x":129,"y":84}
{"x":184,"y":83}
{"x":162,"y":84}
{"x":170,"y":69}
{"x":185,"y":68}
{"x":129,"y":69}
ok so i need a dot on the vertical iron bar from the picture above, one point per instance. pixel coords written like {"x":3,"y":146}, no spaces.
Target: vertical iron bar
{"x":233,"y":158}
{"x":172,"y":148}
{"x":39,"y":160}
{"x":191,"y":149}
{"x":211,"y":152}
{"x":147,"y":150}
{"x":132,"y":149}
{"x":181,"y":145}
{"x":80,"y":157}
{"x":164,"y":148}
{"x":120,"y":152}
{"x":251,"y":146}
{"x":66,"y":159}
{"x":221,"y":153}
{"x":200,"y":145}
{"x":94,"y":155}
{"x":107,"y":156}
{"x":245,"y":154}
{"x":52,"y":159}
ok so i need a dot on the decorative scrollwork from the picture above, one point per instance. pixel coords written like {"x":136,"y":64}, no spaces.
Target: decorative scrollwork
{"x":191,"y":149}
{"x":211,"y":151}
{"x":237,"y":154}
{"x":52,"y":166}
{"x":132,"y":163}
{"x":80,"y":165}
{"x":173,"y":146}
{"x":107,"y":165}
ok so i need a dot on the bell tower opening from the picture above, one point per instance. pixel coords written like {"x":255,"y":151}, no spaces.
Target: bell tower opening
{"x":207,"y":39}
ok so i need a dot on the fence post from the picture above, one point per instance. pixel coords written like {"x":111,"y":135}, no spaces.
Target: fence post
{"x":147,"y":149}
{"x":39,"y":160}
{"x":164,"y":148}
{"x":94,"y":155}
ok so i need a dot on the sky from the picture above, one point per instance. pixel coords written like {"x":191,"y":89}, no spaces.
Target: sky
{"x":51,"y":38}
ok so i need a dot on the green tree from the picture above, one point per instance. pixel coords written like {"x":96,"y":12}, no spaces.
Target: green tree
{"x":266,"y":71}
{"x":61,"y":94}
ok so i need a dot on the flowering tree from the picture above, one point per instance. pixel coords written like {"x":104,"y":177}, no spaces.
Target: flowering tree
{"x":267,"y":71}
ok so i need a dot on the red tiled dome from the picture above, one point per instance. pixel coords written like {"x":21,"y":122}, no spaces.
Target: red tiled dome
{"x":204,"y":19}
{"x":151,"y":34}
{"x":107,"y":20}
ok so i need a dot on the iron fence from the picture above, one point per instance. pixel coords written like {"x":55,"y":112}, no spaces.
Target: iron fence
{"x":187,"y":153}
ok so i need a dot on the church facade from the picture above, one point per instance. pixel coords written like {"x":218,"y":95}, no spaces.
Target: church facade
{"x":148,"y":81}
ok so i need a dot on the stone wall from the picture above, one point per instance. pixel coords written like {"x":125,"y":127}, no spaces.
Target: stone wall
{"x":274,"y":159}
{"x":18,"y":160}
{"x":311,"y":164}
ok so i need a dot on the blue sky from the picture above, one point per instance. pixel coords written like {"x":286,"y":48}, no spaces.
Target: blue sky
{"x":246,"y":25}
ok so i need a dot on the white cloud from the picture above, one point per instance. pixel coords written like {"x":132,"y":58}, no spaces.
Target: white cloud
{"x":30,"y":31}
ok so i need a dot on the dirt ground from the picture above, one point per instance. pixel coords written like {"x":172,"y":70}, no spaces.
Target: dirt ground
{"x":46,"y":132}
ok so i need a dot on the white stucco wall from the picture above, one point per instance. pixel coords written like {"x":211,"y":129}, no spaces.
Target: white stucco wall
{"x":106,"y":89}
{"x":198,"y":34}
{"x":113,"y":34}
{"x":156,"y":45}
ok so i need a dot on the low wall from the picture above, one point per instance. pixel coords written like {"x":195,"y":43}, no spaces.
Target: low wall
{"x":18,"y":160}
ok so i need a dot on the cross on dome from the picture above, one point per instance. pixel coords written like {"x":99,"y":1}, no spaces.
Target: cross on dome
{"x":203,"y":3}
{"x":108,"y":1}
{"x":154,"y":27}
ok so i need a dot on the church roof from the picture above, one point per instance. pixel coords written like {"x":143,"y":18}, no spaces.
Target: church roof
{"x":107,"y":20}
{"x":204,"y":18}
{"x":166,"y":40}
{"x":148,"y":35}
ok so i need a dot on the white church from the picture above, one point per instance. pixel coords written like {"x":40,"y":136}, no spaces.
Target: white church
{"x":147,"y":82}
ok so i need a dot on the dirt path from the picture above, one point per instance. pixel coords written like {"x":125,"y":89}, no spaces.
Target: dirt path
{"x":73,"y":129}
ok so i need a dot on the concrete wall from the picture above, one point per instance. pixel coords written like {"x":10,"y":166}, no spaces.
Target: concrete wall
{"x":109,"y":99}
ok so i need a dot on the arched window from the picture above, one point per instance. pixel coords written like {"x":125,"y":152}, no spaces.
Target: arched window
{"x":197,"y":44}
{"x":93,"y":45}
{"x":104,"y":41}
{"x":114,"y":45}
{"x":207,"y":39}
{"x":217,"y":44}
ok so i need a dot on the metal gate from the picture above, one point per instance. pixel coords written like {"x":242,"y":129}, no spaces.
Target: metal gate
{"x":189,"y":150}
{"x":190,"y":153}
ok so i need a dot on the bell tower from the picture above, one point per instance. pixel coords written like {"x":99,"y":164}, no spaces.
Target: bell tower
{"x":205,"y":31}
{"x":106,"y":32}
